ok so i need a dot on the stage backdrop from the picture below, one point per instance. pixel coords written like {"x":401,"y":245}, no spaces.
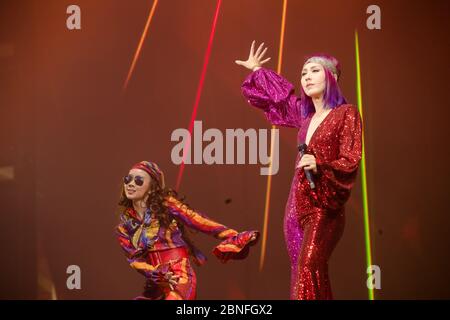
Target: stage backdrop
{"x":69,"y":131}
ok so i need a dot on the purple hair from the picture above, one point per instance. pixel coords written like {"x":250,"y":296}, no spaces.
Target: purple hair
{"x":332,"y":96}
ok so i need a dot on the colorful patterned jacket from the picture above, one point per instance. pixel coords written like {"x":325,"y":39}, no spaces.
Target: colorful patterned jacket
{"x":137,"y":237}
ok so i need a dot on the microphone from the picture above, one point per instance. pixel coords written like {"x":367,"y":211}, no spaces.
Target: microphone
{"x":302,"y":149}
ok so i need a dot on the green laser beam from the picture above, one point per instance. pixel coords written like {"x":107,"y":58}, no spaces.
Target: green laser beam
{"x":363,"y":167}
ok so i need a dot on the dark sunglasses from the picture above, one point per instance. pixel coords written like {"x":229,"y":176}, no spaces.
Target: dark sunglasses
{"x":137,"y":179}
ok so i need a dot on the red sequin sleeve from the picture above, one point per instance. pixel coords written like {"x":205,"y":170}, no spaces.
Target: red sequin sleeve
{"x":335,"y":179}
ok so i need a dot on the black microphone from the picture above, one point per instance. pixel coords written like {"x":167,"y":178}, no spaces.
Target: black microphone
{"x":302,"y":149}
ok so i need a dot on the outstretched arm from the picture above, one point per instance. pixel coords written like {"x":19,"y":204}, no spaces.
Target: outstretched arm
{"x":234,"y":245}
{"x":198,"y":221}
{"x":270,"y":92}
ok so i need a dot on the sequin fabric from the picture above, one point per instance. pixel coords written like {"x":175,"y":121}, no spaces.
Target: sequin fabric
{"x":314,"y":218}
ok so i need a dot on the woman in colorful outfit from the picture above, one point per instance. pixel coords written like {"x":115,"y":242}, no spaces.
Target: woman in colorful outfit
{"x":152,"y":234}
{"x":331,"y":129}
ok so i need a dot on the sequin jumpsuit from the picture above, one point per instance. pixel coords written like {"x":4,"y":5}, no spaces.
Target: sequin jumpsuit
{"x":314,"y":218}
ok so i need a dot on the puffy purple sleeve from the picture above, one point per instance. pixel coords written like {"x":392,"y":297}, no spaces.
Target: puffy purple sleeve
{"x":270,"y":92}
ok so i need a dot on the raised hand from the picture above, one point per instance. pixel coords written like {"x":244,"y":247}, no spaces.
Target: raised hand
{"x":255,"y":59}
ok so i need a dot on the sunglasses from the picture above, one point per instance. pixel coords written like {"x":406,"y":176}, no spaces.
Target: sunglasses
{"x":138,"y":180}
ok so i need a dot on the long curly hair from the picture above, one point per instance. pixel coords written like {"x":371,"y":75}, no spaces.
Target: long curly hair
{"x":155,"y":202}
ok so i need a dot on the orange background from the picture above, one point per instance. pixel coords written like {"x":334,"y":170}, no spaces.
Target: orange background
{"x":71,"y":134}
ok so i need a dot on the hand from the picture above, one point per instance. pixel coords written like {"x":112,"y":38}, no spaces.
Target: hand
{"x":172,"y":279}
{"x":254,"y":61}
{"x":165,"y":279}
{"x":308,"y":161}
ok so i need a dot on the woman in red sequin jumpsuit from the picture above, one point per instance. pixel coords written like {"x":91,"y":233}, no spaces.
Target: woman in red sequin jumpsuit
{"x":332,"y":129}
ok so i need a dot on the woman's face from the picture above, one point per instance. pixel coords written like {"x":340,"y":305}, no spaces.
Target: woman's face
{"x":313,"y":79}
{"x":136,"y":184}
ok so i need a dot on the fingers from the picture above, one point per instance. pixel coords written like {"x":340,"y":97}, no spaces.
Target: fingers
{"x":171,"y":280}
{"x":309,"y":158}
{"x":308,"y":163}
{"x":261,"y":55}
{"x":308,"y":167}
{"x":264,"y":61}
{"x":254,"y":57}
{"x":303,"y":162}
{"x":171,"y":277}
{"x":252,"y":49}
{"x":258,"y":52}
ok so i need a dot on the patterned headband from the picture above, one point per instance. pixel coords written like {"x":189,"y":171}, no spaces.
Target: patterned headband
{"x":153,"y":170}
{"x":326,"y":63}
